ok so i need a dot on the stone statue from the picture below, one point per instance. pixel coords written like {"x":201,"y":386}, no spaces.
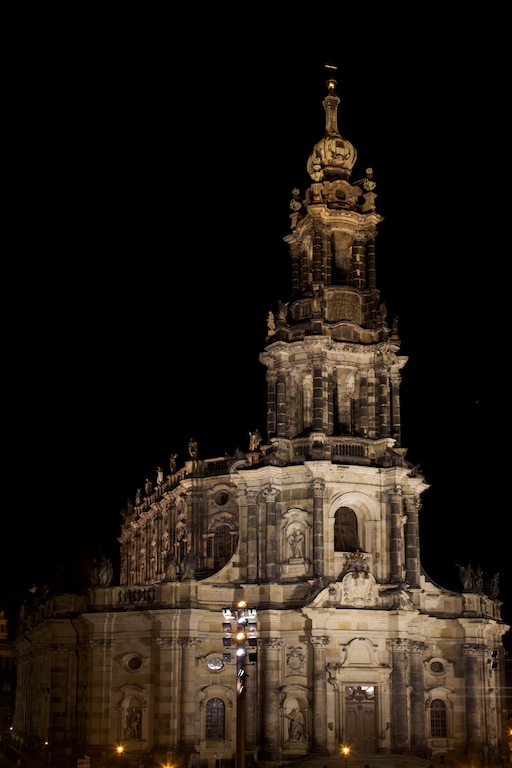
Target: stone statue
{"x":296,"y":542}
{"x":254,"y":440}
{"x":172,"y":463}
{"x":101,"y":573}
{"x":170,"y":567}
{"x":467,"y":577}
{"x":189,"y":565}
{"x":192,"y":448}
{"x":159,"y":476}
{"x":181,"y":529}
{"x":478,"y":581}
{"x":282,"y":309}
{"x":132,"y":723}
{"x":105,"y":571}
{"x":296,"y":725}
{"x":493,"y":587}
{"x":148,"y":487}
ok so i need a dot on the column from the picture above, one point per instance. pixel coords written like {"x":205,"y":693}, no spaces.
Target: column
{"x":370,"y":261}
{"x":271,"y":404}
{"x":196,"y":524}
{"x":295,"y":254}
{"x":271,"y":740}
{"x":395,"y":535}
{"x":383,"y":404}
{"x":168,"y":700}
{"x":252,"y":536}
{"x":358,"y":272}
{"x":316,"y":261}
{"x":396,"y":425}
{"x":473,"y":686}
{"x":270,"y":495}
{"x":159,"y":566}
{"x":362,"y":406}
{"x":373,"y":431}
{"x":187,"y":693}
{"x":319,"y":744}
{"x":330,"y":403}
{"x":318,"y":399}
{"x":281,"y":405}
{"x":399,"y":734}
{"x":412,"y":543}
{"x":318,"y":527}
{"x":417,"y":695}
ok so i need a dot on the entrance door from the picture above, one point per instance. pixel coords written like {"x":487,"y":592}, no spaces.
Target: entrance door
{"x":360,"y":719}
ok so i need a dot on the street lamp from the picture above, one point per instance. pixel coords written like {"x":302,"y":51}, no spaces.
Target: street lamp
{"x":245,"y":634}
{"x":345,"y":751}
{"x":120,"y":750}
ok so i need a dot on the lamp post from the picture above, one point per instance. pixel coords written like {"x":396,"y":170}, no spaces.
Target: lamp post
{"x":345,"y":751}
{"x":245,"y":633}
{"x":119,"y":750}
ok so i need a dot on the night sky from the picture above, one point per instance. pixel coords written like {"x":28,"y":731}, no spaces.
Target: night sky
{"x":149,"y":201}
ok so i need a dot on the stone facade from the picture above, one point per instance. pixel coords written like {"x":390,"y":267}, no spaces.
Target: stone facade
{"x":315,"y":528}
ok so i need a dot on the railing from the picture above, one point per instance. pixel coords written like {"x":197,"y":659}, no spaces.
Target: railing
{"x":345,"y":450}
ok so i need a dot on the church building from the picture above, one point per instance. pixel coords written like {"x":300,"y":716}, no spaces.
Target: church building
{"x":272,"y":605}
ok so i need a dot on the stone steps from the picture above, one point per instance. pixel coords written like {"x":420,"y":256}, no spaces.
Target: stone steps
{"x":361,"y":761}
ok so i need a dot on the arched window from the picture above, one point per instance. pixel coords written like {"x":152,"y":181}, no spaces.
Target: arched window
{"x":345,"y":530}
{"x":215,"y":719}
{"x":222,"y":543}
{"x":438,"y":719}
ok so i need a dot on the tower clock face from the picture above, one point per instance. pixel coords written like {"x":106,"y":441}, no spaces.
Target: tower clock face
{"x":215,"y":663}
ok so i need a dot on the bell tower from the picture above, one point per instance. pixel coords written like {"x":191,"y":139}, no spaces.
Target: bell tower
{"x":333,"y":363}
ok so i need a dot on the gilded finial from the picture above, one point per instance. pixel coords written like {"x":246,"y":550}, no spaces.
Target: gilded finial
{"x":331,"y":82}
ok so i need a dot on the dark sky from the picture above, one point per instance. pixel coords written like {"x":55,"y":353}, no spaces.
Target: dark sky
{"x":149,"y":202}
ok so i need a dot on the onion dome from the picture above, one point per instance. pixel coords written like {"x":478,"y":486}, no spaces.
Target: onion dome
{"x":333,"y":157}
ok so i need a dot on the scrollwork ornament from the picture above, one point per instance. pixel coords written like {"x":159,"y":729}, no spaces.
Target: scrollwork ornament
{"x":319,"y":643}
{"x":188,"y":642}
{"x":473,"y":649}
{"x":271,"y":643}
{"x":166,"y":642}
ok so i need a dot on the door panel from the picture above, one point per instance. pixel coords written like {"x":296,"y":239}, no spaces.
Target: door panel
{"x":360,"y":719}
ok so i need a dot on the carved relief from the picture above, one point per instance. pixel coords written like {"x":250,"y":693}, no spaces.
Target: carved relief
{"x":295,"y":660}
{"x":358,"y":589}
{"x":343,"y":305}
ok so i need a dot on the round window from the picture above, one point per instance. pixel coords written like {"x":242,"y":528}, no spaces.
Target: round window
{"x":221,"y":498}
{"x":215,"y":663}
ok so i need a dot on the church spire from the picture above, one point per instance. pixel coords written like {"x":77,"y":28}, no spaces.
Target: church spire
{"x":333,"y":157}
{"x":331,"y":103}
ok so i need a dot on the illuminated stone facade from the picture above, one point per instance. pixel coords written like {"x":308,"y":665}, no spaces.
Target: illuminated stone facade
{"x":316,"y":527}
